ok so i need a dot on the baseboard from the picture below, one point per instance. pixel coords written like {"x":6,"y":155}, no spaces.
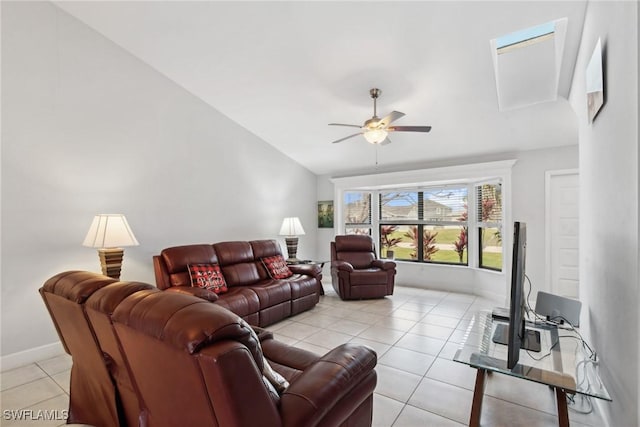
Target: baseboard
{"x":26,"y":357}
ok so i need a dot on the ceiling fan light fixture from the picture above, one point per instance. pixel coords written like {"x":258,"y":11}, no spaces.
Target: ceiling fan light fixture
{"x":375,"y":136}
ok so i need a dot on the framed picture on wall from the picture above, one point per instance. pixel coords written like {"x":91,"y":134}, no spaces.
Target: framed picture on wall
{"x":595,"y":83}
{"x":325,"y":214}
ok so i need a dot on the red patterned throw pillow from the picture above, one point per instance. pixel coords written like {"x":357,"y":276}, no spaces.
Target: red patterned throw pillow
{"x":277,"y":267}
{"x":207,"y":276}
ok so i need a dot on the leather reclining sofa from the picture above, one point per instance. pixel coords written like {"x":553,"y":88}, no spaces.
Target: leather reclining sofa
{"x":252,"y":294}
{"x":144,"y":357}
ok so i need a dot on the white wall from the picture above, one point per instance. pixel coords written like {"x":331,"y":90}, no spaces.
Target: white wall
{"x":528,"y":187}
{"x":609,"y":204}
{"x":88,"y":129}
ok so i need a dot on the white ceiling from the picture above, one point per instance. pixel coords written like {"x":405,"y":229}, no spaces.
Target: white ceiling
{"x":284,"y":70}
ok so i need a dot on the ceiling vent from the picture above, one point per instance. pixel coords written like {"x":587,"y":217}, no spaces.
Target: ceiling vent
{"x":527,"y":64}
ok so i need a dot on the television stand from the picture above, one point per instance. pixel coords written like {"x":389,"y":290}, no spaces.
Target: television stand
{"x":530,"y":341}
{"x":564,"y":370}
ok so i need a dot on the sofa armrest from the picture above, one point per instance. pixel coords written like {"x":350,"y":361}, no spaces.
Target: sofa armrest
{"x":325,"y":383}
{"x":342,"y":266}
{"x":312,"y":270}
{"x":195,"y":291}
{"x":384,"y":264}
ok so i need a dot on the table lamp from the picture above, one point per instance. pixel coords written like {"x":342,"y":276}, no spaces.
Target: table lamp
{"x":291,"y":229}
{"x":109,"y":233}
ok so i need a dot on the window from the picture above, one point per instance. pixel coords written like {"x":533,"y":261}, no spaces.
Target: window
{"x":426,"y":225}
{"x":450,"y":215}
{"x":489,"y":221}
{"x":357,"y":212}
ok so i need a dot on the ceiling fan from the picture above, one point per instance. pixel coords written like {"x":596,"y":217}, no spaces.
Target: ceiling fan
{"x":375,"y":130}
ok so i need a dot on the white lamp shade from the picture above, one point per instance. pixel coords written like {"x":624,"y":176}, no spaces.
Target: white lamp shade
{"x":291,"y":227}
{"x":109,"y":231}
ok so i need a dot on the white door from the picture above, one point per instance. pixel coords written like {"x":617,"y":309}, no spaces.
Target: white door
{"x":562,"y":232}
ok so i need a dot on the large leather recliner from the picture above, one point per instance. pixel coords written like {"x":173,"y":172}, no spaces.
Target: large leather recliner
{"x":163,"y":359}
{"x":356,"y":273}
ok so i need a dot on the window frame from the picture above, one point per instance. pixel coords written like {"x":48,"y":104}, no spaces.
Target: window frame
{"x":420,"y":222}
{"x":469,"y":174}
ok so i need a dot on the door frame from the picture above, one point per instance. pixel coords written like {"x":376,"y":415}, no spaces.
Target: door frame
{"x":548,"y":175}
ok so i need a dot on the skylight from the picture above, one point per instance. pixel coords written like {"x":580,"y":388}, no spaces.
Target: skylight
{"x":525,"y":37}
{"x":527,"y":64}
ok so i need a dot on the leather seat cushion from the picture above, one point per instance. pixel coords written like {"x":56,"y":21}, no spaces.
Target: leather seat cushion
{"x":271,"y":292}
{"x":241,"y":300}
{"x":302,"y":285}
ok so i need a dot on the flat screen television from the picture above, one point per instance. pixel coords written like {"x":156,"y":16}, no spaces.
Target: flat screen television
{"x":515,"y":335}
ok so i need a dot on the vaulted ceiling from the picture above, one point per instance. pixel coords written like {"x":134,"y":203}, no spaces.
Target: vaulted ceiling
{"x":284,"y":70}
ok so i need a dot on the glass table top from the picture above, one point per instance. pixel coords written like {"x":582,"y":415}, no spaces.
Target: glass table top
{"x":562,"y":362}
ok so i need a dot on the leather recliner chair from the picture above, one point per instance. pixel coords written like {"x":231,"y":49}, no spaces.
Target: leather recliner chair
{"x":161,"y":359}
{"x":197,"y":363}
{"x":94,"y":375}
{"x":356,"y":273}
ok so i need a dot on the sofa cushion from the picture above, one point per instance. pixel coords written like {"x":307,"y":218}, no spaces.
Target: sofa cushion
{"x":241,"y":300}
{"x":238,"y":263}
{"x":277,"y":267}
{"x":207,"y":276}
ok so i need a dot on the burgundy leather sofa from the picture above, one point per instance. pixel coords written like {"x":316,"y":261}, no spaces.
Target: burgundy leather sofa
{"x":251,"y":294}
{"x":161,"y":359}
{"x":356,"y":273}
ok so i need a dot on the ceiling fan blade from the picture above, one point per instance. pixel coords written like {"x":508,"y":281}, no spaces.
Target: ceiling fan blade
{"x":347,"y":137}
{"x":385,"y":142}
{"x":390,"y":118}
{"x":409,"y":128}
{"x":342,"y":124}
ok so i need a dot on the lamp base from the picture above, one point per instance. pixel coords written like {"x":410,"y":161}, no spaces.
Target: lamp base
{"x":292,"y":249}
{"x":111,"y":261}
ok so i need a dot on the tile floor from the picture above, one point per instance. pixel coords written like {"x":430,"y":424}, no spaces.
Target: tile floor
{"x":415,"y":332}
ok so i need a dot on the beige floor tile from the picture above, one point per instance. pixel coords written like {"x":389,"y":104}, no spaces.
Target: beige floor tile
{"x":417,"y":307}
{"x":453,"y":373}
{"x":30,"y":394}
{"x":448,"y":311}
{"x":416,"y":417}
{"x":319,"y":320}
{"x":439,"y":320}
{"x":364,"y":317}
{"x":465,"y":298}
{"x":56,"y":364}
{"x":402,"y":313}
{"x":407,"y":360}
{"x":349,"y":327}
{"x":396,"y":323}
{"x":378,"y":347}
{"x":297,"y":330}
{"x":62,"y":379}
{"x":381,"y":334}
{"x":433,"y":331}
{"x":449,"y":350}
{"x":443,"y":399}
{"x":338,"y":312}
{"x":19,"y":376}
{"x":462,"y":336}
{"x":421,"y":343}
{"x":497,"y":412}
{"x":396,"y":384}
{"x":385,"y":410}
{"x":328,"y":339}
